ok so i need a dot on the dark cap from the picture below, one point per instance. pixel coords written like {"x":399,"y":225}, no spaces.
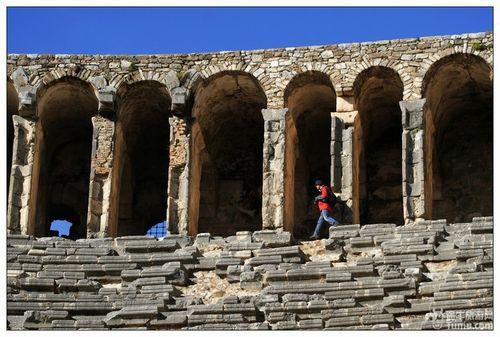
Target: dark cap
{"x":318,"y":182}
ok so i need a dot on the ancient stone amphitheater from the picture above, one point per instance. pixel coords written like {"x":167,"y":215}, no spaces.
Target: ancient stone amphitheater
{"x":224,"y":147}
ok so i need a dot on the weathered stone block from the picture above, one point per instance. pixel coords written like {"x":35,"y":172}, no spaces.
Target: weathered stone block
{"x":271,"y":238}
{"x":37,"y":284}
{"x":356,"y":294}
{"x":263,"y":260}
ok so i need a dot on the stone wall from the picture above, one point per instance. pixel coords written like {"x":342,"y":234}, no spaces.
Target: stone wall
{"x":425,"y":275}
{"x":184,"y":79}
{"x":274,"y":68}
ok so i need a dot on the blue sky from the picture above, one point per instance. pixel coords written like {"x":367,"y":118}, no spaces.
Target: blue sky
{"x":62,"y":226}
{"x":188,"y":30}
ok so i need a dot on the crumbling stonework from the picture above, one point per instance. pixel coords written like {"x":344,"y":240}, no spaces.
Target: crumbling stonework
{"x":273,"y":188}
{"x":179,"y":126}
{"x":178,"y":173}
{"x":413,"y":157}
{"x":21,"y":175}
{"x":100,"y":176}
{"x":427,"y":275}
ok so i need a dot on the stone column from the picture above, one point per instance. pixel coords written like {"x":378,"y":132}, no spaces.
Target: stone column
{"x":18,"y":208}
{"x":273,"y":173}
{"x":347,"y":163}
{"x":342,"y":162}
{"x":337,"y":128}
{"x":101,"y":167}
{"x":178,"y":177}
{"x":413,"y":159}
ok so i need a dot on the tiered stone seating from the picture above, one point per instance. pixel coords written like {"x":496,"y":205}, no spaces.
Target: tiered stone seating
{"x":381,"y":277}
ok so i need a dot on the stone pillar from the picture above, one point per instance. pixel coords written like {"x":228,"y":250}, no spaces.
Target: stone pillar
{"x":337,"y":128}
{"x":101,"y":167}
{"x":178,"y":177}
{"x":347,"y":163}
{"x":18,"y":208}
{"x":273,"y":173}
{"x":413,"y":160}
{"x":341,"y":167}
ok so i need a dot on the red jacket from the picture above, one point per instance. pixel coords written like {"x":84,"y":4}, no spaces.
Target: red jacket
{"x":322,"y":205}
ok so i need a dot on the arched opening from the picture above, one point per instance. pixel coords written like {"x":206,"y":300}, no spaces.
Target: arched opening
{"x":140,"y":173}
{"x":12,"y":109}
{"x":226,"y":167}
{"x":61,"y":170}
{"x":459,"y":138}
{"x":377,"y":146}
{"x":310,"y":98}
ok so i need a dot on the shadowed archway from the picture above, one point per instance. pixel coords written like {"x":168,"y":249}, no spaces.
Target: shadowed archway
{"x":310,"y":99}
{"x":459,"y":138}
{"x":61,"y":170}
{"x":377,"y":146}
{"x":226,"y":168}
{"x":140,"y":174}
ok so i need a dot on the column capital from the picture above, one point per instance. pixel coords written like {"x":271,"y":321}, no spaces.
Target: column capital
{"x":107,"y":99}
{"x":27,"y":101}
{"x":274,"y":114}
{"x":345,"y":103}
{"x":347,"y":117}
{"x":412,"y":113}
{"x":26,"y":92}
{"x":179,"y":99}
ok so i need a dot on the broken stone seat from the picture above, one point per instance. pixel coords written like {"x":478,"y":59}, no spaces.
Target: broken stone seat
{"x":173,"y":272}
{"x":232,"y":326}
{"x":139,"y":246}
{"x":456,"y":282}
{"x":361,"y":283}
{"x":289,"y":254}
{"x":263,"y":238}
{"x":383,"y":232}
{"x":230,"y":310}
{"x":316,"y":275}
{"x":232,"y":266}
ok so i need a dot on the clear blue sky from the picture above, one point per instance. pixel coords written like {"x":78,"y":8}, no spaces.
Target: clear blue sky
{"x":62,"y":226}
{"x":186,"y":30}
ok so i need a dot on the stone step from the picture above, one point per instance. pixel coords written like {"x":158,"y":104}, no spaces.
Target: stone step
{"x":271,"y":238}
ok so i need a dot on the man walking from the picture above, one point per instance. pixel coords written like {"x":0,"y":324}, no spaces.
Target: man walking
{"x":322,"y":200}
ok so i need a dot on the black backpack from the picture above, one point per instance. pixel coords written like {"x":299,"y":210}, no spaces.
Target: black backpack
{"x":332,"y":199}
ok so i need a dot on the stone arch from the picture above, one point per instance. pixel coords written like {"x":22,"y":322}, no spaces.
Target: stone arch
{"x":426,"y":64}
{"x":167,"y":78}
{"x":265,"y":82}
{"x":310,"y":99}
{"x":377,"y":183}
{"x":141,"y":157}
{"x":225,"y":192}
{"x":12,"y":109}
{"x":44,"y":79}
{"x":319,"y":67}
{"x":191,"y":79}
{"x":459,"y":138}
{"x":350,"y":78}
{"x":61,"y":168}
